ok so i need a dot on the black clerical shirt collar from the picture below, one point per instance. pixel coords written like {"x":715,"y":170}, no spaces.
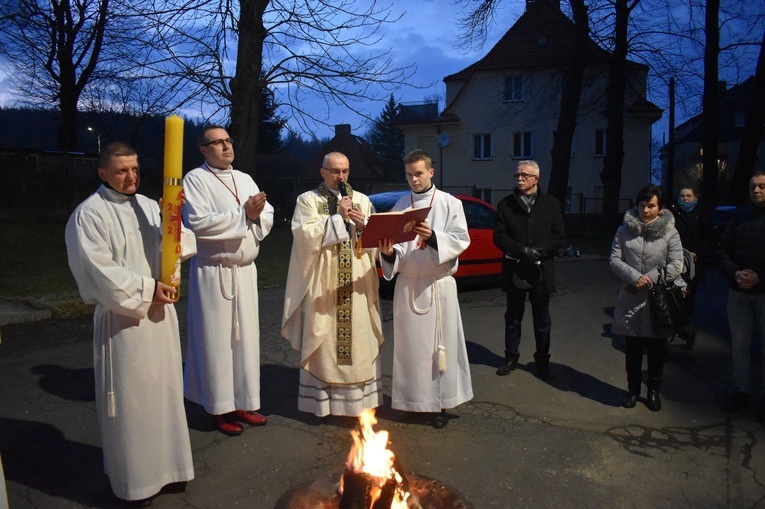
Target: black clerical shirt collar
{"x":108,"y":186}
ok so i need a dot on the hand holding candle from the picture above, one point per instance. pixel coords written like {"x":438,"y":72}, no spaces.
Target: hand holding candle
{"x":172,"y":201}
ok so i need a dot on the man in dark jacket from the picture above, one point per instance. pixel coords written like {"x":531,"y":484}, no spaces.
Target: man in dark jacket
{"x":741,"y":259}
{"x":529,"y":230}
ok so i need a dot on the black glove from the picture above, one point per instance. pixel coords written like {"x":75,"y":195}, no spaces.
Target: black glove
{"x":531,"y":255}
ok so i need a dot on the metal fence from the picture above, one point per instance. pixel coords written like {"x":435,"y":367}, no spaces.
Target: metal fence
{"x":54,"y":183}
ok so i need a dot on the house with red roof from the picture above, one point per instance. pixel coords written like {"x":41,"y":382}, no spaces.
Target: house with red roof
{"x":505,"y":107}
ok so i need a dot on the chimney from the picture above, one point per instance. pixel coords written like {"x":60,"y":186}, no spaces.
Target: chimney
{"x":344,"y":129}
{"x":554,"y":3}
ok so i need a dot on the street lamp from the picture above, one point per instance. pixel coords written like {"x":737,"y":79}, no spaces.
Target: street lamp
{"x":98,"y":138}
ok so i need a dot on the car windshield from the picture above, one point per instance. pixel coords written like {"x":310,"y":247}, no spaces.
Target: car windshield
{"x":478,"y":216}
{"x":383,"y":202}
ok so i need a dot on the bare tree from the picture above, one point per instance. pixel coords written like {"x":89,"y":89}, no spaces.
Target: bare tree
{"x":710,"y":104}
{"x":83,"y":54}
{"x":753,"y":131}
{"x":299,"y":50}
{"x":680,"y":42}
{"x":618,"y":75}
{"x":474,"y":26}
{"x":54,"y":48}
{"x":569,"y":105}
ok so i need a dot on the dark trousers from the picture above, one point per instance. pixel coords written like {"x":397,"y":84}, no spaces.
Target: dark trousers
{"x":540,"y":310}
{"x":656,"y":352}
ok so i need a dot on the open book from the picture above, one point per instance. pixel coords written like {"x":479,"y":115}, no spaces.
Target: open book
{"x":394,"y":225}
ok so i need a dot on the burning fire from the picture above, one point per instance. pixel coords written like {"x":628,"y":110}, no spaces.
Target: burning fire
{"x":370,"y":455}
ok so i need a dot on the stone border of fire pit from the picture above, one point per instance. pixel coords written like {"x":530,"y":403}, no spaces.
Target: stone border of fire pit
{"x":322,"y":494}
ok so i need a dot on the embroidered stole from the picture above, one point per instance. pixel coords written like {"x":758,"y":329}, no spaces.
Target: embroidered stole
{"x":344,"y":308}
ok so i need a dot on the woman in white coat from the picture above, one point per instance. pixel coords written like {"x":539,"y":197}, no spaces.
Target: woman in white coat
{"x":646,"y":242}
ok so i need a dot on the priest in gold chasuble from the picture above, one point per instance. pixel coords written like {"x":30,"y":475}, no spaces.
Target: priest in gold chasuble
{"x":331,"y":303}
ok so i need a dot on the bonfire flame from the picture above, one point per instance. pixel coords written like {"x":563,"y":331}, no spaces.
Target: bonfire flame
{"x":370,"y":455}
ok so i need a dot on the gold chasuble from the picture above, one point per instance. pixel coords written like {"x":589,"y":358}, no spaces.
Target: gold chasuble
{"x":331,"y":305}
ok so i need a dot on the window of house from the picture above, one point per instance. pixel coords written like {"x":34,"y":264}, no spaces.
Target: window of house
{"x":482,"y":146}
{"x":513,"y":88}
{"x":522,"y":146}
{"x":738,"y":119}
{"x":600,"y":142}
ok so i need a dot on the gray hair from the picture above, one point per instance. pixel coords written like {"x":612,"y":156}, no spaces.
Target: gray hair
{"x":530,"y":162}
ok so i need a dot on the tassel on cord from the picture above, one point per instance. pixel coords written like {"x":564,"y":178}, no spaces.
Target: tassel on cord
{"x":111,"y":405}
{"x":435,"y":301}
{"x":236,"y":328}
{"x":439,"y":330}
{"x":111,"y":400}
{"x":358,"y":249}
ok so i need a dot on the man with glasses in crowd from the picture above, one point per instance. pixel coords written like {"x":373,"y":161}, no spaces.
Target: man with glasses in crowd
{"x":529,"y":230}
{"x":230,"y":217}
{"x":331,"y":303}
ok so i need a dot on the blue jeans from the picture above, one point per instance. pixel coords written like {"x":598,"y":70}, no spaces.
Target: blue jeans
{"x":746,"y":313}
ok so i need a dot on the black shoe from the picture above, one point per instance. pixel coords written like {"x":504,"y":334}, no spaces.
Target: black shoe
{"x":739,"y":401}
{"x":144,"y":502}
{"x":691,"y":337}
{"x":507,"y":367}
{"x":630,"y":401}
{"x":653,"y":402}
{"x":544,"y":373}
{"x":439,"y":420}
{"x":175,"y":487}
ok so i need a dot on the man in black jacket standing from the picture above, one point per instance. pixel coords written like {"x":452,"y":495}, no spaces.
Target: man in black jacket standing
{"x":529,"y":230}
{"x":741,"y":260}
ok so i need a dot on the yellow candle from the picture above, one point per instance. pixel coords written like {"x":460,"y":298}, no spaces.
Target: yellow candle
{"x":171,"y":203}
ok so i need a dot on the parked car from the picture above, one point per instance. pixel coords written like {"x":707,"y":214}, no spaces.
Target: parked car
{"x":482,"y":258}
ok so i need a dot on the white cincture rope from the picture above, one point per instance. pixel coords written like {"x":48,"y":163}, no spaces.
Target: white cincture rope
{"x":231,"y":296}
{"x":111,"y":403}
{"x":434,"y":299}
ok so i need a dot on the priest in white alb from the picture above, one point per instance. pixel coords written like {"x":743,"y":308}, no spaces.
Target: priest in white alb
{"x":113,"y":242}
{"x":431,"y":372}
{"x":331,"y":303}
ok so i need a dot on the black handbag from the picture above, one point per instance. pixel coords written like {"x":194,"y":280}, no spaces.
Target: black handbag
{"x":669,"y":312}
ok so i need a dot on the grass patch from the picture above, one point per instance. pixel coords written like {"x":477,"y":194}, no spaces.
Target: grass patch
{"x":35,"y":271}
{"x":274,"y":257}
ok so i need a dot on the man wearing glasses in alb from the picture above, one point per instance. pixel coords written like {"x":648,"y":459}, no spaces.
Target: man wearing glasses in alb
{"x":231,"y":217}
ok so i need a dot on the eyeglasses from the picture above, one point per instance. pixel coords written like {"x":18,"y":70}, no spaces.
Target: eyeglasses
{"x":335,"y":173}
{"x":524,"y":176}
{"x":220,"y":142}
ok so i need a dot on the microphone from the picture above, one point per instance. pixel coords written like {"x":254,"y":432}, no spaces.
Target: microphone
{"x":343,"y":189}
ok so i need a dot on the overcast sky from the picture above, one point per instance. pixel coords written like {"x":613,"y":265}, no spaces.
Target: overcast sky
{"x":426,"y":36}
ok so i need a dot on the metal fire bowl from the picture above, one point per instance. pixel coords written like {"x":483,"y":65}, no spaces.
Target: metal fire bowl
{"x":322,"y":494}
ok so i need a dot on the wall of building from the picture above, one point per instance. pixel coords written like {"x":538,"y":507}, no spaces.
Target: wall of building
{"x":481,"y":108}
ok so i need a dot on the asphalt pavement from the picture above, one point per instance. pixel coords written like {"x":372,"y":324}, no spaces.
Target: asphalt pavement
{"x":521,"y":442}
